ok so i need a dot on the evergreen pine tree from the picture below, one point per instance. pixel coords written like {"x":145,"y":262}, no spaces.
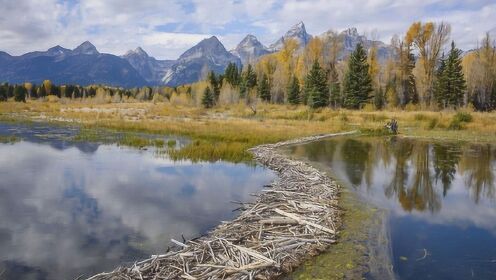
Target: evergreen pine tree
{"x":242,"y":88}
{"x":357,"y":82}
{"x":316,"y":87}
{"x":20,"y":94}
{"x":407,"y":79}
{"x":441,"y":85}
{"x":76,"y":93}
{"x":3,"y":92}
{"x":40,"y":92}
{"x":214,"y":83}
{"x":208,"y":99}
{"x":10,"y":91}
{"x":457,"y":84}
{"x":250,"y":77}
{"x":334,"y":88}
{"x":450,"y":84}
{"x":232,"y":74}
{"x":294,"y":91}
{"x":264,"y":88}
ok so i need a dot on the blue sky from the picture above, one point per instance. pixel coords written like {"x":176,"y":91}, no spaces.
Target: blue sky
{"x":165,"y":29}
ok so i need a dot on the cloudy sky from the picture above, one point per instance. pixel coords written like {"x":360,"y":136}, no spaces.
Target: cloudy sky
{"x":166,"y":28}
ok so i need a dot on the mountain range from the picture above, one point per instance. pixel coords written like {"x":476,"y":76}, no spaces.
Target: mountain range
{"x":84,"y":65}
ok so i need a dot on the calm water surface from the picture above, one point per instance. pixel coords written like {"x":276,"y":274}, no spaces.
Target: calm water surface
{"x":440,"y":198}
{"x":69,"y":209}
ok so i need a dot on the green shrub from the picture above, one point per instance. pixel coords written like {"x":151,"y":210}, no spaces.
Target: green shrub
{"x":456,"y":125}
{"x":376,"y":131}
{"x":171,"y":143}
{"x":463,"y":117}
{"x":459,"y":120}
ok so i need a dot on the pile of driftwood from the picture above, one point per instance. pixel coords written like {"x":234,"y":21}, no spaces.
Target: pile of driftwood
{"x":295,"y":217}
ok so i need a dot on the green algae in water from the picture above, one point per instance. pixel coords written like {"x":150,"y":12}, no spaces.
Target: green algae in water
{"x":350,"y":258}
{"x":363,"y":244}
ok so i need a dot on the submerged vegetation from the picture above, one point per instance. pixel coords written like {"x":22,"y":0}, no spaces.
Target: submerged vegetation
{"x":8,"y":139}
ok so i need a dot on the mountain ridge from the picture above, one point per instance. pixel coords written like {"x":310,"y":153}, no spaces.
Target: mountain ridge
{"x":208,"y":55}
{"x":137,"y":68}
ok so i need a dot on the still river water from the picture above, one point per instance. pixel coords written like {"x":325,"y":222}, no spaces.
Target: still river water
{"x":71,"y":208}
{"x":440,"y":198}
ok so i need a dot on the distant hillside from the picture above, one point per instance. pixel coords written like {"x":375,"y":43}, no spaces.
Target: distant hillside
{"x":84,"y":65}
{"x":194,"y":64}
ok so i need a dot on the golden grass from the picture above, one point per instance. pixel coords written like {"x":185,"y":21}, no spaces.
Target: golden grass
{"x":225,"y":132}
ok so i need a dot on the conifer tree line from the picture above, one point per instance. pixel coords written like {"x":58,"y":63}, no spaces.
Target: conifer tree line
{"x":426,"y":71}
{"x":47,"y":89}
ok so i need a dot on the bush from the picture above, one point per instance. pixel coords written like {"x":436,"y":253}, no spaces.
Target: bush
{"x":171,"y":143}
{"x":463,"y":117}
{"x":376,"y":131}
{"x":459,"y":120}
{"x":456,"y":125}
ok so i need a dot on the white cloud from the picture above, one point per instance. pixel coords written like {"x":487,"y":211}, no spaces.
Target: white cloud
{"x":175,"y":43}
{"x":165,"y":28}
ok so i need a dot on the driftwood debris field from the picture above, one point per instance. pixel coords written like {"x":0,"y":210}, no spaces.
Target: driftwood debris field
{"x":295,"y":217}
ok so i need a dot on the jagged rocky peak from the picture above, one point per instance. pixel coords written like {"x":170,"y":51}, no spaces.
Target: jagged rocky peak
{"x":249,"y":49}
{"x":249,"y":41}
{"x":57,"y":50}
{"x":297,"y":32}
{"x":352,"y":31}
{"x":208,"y":46}
{"x":209,"y":54}
{"x":86,"y":48}
{"x":136,"y":52}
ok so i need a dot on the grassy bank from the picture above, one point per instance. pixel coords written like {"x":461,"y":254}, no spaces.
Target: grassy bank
{"x":226,"y":132}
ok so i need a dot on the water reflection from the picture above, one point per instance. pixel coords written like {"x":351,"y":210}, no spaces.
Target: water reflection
{"x":65,"y":212}
{"x":440,"y":196}
{"x":419,"y":173}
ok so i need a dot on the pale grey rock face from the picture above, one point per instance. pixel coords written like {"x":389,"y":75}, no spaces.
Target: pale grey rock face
{"x":151,"y":69}
{"x":194,"y":64}
{"x":350,"y":38}
{"x":249,"y":50}
{"x":86,"y":48}
{"x":297,"y":32}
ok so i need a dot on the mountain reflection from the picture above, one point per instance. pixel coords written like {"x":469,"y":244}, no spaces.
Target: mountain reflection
{"x":65,"y":213}
{"x":418,"y":174}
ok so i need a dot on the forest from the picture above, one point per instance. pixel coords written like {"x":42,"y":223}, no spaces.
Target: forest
{"x":426,"y":71}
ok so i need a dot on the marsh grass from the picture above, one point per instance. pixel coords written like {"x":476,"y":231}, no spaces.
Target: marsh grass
{"x":225,"y":132}
{"x":9,"y":139}
{"x":121,"y":138}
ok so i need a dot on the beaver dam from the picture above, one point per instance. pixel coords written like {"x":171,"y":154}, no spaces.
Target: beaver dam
{"x":295,"y":217}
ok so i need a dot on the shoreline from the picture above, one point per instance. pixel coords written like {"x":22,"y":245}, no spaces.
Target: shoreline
{"x":297,"y":216}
